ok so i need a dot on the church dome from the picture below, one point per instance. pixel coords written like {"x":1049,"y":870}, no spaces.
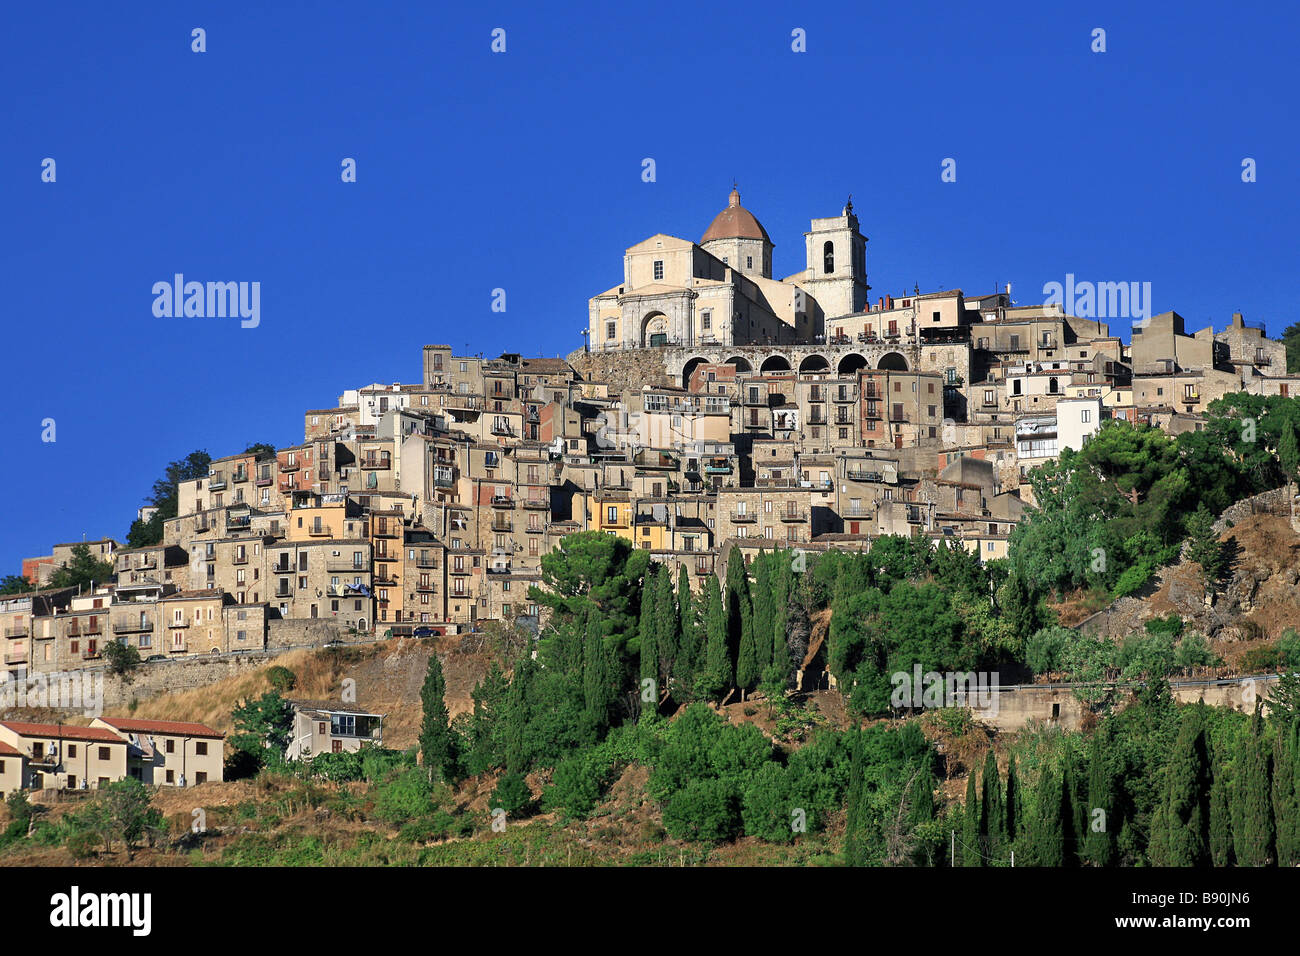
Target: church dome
{"x":735,"y":222}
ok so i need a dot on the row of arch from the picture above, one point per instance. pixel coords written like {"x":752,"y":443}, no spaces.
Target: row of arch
{"x":849,"y":364}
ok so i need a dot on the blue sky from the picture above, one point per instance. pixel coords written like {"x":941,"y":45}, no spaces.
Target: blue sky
{"x":522,"y":171}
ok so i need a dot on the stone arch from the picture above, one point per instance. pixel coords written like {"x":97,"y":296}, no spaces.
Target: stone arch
{"x":814,"y":363}
{"x":775,"y":363}
{"x":741,"y":363}
{"x":654,"y":329}
{"x":852,"y":362}
{"x":892,"y":362}
{"x":689,"y":369}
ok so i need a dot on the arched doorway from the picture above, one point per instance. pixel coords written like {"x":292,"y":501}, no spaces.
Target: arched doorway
{"x":654,"y":330}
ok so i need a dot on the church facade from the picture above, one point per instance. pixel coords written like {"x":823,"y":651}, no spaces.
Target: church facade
{"x":720,"y":291}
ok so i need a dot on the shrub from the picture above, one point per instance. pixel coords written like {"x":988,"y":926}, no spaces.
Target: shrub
{"x":407,"y":795}
{"x":281,"y":678}
{"x":512,"y":794}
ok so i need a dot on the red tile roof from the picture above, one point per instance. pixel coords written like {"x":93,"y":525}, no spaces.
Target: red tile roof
{"x":180,"y":727}
{"x":61,"y":731}
{"x":8,"y":751}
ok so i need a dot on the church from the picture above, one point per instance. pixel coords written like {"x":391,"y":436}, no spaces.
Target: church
{"x":720,"y":291}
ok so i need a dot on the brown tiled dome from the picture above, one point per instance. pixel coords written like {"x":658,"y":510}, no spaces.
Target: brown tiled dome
{"x":735,"y":222}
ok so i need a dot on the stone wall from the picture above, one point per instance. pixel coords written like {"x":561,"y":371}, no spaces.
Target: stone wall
{"x":624,"y":370}
{"x":290,"y":632}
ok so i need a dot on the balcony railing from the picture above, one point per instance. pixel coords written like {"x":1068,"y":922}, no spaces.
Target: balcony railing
{"x":532,"y":502}
{"x":459,"y":571}
{"x":744,"y":517}
{"x":426,"y":562}
{"x":216,"y":484}
{"x":184,"y":622}
{"x":845,"y":394}
{"x":132,"y":627}
{"x":862,"y":474}
{"x":503,"y":501}
{"x":15,"y":657}
{"x":795,"y":514}
{"x":264,"y":481}
{"x":500,"y":524}
{"x":20,"y":631}
{"x":376,"y":462}
{"x":90,"y":653}
{"x":320,"y":531}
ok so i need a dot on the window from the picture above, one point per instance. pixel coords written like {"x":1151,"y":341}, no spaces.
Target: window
{"x":72,"y":750}
{"x":201,"y":749}
{"x":1085,"y":415}
{"x":659,"y":270}
{"x":749,"y":262}
{"x":169,"y":746}
{"x":706,"y":320}
{"x":103,"y":753}
{"x":828,"y":257}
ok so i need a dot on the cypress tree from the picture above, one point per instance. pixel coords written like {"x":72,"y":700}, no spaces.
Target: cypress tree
{"x":854,"y":847}
{"x":1285,"y":809}
{"x":1102,"y":813}
{"x":1072,"y":809}
{"x":647,"y":632}
{"x":740,"y":622}
{"x":717,"y":672}
{"x":993,"y":814}
{"x":665,"y":624}
{"x":920,"y":811}
{"x":762,"y":609}
{"x":1220,"y":811}
{"x":435,"y":726}
{"x":687,"y":636}
{"x":1013,"y":801}
{"x":1046,"y":836}
{"x":1252,"y":808}
{"x":970,"y":829}
{"x":519,"y":714}
{"x":1186,"y":820}
{"x":781,"y":578}
{"x":597,"y":686}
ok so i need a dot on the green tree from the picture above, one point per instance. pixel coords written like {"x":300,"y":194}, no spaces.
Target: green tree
{"x":122,"y":811}
{"x":1286,"y":807}
{"x":1185,"y":840}
{"x":436,"y":744}
{"x":647,"y":630}
{"x":716,"y":677}
{"x":667,"y":636}
{"x":1099,"y":840}
{"x":688,"y":630}
{"x":82,"y":571}
{"x":122,"y":658}
{"x":993,"y":812}
{"x":1013,"y":801}
{"x":262,"y":727}
{"x":1220,"y":810}
{"x":970,"y":829}
{"x":1252,"y":809}
{"x":1204,"y":548}
{"x":1047,"y":830}
{"x":165,"y":497}
{"x":15,"y":584}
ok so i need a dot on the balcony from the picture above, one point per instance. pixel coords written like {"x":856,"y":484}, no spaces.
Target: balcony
{"x":443,"y":478}
{"x":503,"y":501}
{"x":1191,"y":396}
{"x":216,"y":484}
{"x":133,"y":627}
{"x":754,"y":399}
{"x":539,"y":503}
{"x":184,"y":622}
{"x":537,"y":528}
{"x":718,"y":468}
{"x":744,"y":517}
{"x":239,"y":476}
{"x":264,"y":481}
{"x":858,"y":512}
{"x":202,"y":525}
{"x":285,"y":568}
{"x":238,"y":522}
{"x":794,"y":514}
{"x":239,"y":559}
{"x":179,"y":647}
{"x":503,"y":428}
{"x":816,"y":419}
{"x":703,"y":567}
{"x":279,"y":594}
{"x":320,"y":531}
{"x":459,"y":571}
{"x":90,"y":654}
{"x":287,"y":483}
{"x":382,"y":462}
{"x":15,"y":657}
{"x":289,"y":466}
{"x":21,"y":631}
{"x":862,"y":474}
{"x":423,"y":562}
{"x":389,"y":530}
{"x":845,"y":393}
{"x":502,"y":524}
{"x":95,"y":628}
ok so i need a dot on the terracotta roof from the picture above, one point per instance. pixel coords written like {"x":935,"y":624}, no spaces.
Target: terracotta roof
{"x":8,"y":751}
{"x":131,"y":725}
{"x":62,"y":731}
{"x":735,"y":222}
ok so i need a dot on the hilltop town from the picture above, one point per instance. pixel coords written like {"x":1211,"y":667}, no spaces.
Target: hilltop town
{"x":712,"y":411}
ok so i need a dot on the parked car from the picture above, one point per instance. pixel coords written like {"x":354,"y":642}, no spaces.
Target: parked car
{"x":425,"y":632}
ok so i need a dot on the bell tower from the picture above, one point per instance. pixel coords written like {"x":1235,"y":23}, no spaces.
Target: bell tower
{"x":837,"y":263}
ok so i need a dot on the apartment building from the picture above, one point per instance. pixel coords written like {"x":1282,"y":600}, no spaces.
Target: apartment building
{"x":321,"y":726}
{"x":65,"y":757}
{"x":169,"y":753}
